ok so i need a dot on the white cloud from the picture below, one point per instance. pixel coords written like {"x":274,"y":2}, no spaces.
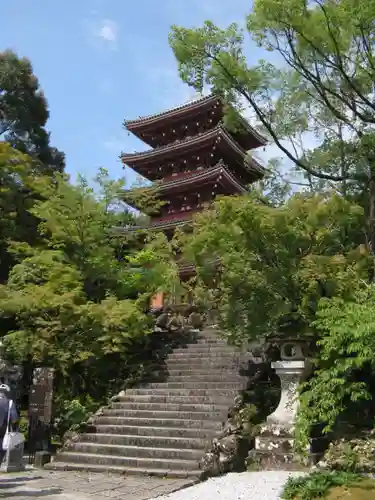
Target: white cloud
{"x":101,"y":31}
{"x":108,"y":30}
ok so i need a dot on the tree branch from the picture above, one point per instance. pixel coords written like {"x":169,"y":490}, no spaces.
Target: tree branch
{"x":269,"y":127}
{"x":339,"y":66}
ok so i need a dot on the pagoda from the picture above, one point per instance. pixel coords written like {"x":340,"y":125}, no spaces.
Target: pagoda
{"x":192,"y":159}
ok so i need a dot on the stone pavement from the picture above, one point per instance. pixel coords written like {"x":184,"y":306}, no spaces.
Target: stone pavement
{"x":53,"y":485}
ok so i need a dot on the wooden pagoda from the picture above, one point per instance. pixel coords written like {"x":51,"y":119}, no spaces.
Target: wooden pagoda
{"x":192,"y":159}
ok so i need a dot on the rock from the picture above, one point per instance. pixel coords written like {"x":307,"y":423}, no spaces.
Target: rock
{"x":231,"y":427}
{"x":210,"y":464}
{"x":228,"y":444}
{"x":195,"y":320}
{"x":162,"y":321}
{"x":224,"y":461}
{"x":238,"y":401}
{"x":72,"y":436}
{"x":228,"y":452}
{"x":175,"y":323}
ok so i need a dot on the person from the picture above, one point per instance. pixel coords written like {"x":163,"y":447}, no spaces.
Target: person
{"x":4,"y":410}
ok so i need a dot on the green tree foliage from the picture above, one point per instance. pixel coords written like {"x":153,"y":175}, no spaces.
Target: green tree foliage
{"x":298,"y":269}
{"x":314,"y":97}
{"x":343,"y":385}
{"x":25,"y":152}
{"x":75,"y":302}
{"x":17,"y":173}
{"x":24,"y":113}
{"x":330,"y":485}
{"x":306,"y":264}
{"x":276,"y":263}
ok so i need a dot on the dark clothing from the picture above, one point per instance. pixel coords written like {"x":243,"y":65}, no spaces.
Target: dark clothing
{"x":4,"y":408}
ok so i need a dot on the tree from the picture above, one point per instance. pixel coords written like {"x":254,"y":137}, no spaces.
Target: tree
{"x":24,"y":113}
{"x":276,"y":263}
{"x":17,"y":174}
{"x":320,"y":89}
{"x":344,"y":382}
{"x":71,"y":302}
{"x":297,"y":269}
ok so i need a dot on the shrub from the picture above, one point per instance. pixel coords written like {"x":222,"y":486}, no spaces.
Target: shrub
{"x":318,"y":484}
{"x":355,"y":455}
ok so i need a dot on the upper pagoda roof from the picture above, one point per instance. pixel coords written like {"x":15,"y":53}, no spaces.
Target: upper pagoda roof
{"x":180,"y":113}
{"x":143,"y":121}
{"x":144,"y":160}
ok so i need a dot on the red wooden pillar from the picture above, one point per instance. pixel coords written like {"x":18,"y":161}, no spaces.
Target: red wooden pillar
{"x":157,"y":301}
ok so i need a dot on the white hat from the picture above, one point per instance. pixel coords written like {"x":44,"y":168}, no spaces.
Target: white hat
{"x":4,"y":388}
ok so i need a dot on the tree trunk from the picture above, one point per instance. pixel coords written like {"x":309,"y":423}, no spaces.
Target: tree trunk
{"x":371,"y":218}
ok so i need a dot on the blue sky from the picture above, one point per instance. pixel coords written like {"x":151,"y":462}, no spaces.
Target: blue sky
{"x":101,"y":61}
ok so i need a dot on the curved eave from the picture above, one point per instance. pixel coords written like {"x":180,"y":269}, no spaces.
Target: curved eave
{"x":157,"y":226}
{"x":217,"y":174}
{"x":252,"y":133}
{"x":250,"y":137}
{"x":143,"y":122}
{"x":153,"y":155}
{"x":253,"y":167}
{"x":140,"y":160}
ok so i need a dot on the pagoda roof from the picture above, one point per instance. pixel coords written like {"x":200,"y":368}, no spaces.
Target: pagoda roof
{"x":202,"y":177}
{"x":143,"y":123}
{"x":161,"y":225}
{"x":218,"y":173}
{"x":139,"y":161}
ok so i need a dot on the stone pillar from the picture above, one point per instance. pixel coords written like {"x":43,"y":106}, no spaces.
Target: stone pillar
{"x":291,"y":373}
{"x":274,"y":445}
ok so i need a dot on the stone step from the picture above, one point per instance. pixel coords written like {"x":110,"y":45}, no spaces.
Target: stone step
{"x":163,"y":428}
{"x":206,"y":349}
{"x":192,"y":355}
{"x":163,"y":441}
{"x":210,"y":341}
{"x":198,"y":385}
{"x":136,"y":451}
{"x":183,"y":392}
{"x":140,"y":462}
{"x":201,"y":372}
{"x":177,"y":400}
{"x":214,"y":377}
{"x":115,"y":469}
{"x":203,"y":364}
{"x":161,"y":422}
{"x":146,"y":431}
{"x":165,"y":414}
{"x":168,"y":406}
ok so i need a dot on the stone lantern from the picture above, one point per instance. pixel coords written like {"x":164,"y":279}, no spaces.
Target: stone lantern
{"x":274,"y":445}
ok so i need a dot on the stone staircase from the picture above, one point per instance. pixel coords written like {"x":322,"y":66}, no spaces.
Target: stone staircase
{"x":165,"y":427}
